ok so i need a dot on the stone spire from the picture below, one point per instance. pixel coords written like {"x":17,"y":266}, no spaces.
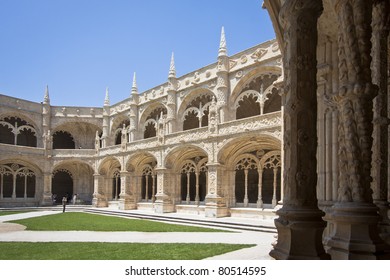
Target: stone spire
{"x":134,"y":89}
{"x":107,"y":98}
{"x":222,"y":45}
{"x":172,"y":70}
{"x":46,"y":98}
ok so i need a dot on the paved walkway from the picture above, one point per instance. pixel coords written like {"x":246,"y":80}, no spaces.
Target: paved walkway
{"x":16,"y":233}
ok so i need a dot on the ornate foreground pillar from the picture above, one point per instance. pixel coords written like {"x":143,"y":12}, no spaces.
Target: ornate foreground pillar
{"x":163,"y":203}
{"x":380,"y":25}
{"x":300,"y":225}
{"x":354,"y":215}
{"x":126,"y":198}
{"x":215,"y":202}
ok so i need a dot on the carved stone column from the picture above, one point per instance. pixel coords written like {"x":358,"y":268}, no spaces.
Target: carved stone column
{"x":274,"y":200}
{"x":47,"y":191}
{"x":126,"y":198}
{"x":260,"y":203}
{"x":246,"y":199}
{"x":215,"y":202}
{"x":188,"y":188}
{"x":354,"y":215}
{"x":163,"y":203}
{"x":98,"y":200}
{"x":197,"y":188}
{"x":380,"y":25}
{"x":300,"y":223}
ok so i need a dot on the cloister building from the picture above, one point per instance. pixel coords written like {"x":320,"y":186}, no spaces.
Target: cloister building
{"x":304,"y":127}
{"x":207,"y":143}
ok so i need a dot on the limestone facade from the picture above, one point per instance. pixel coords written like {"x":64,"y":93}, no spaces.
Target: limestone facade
{"x":208,"y":142}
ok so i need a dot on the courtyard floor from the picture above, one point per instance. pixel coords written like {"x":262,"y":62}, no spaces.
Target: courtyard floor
{"x":11,"y":232}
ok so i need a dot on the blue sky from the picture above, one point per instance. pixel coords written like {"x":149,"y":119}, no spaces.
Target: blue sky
{"x":80,"y":47}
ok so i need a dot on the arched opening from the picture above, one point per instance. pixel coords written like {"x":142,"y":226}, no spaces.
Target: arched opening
{"x":193,"y":181}
{"x":62,"y":185}
{"x":247,"y":181}
{"x":148,"y":184}
{"x":252,"y":186}
{"x":116,"y":185}
{"x":188,"y":187}
{"x":27,"y":138}
{"x":6,"y":134}
{"x":17,"y":181}
{"x":150,"y":124}
{"x":271,"y":173}
{"x":7,"y":184}
{"x":25,"y":183}
{"x":124,"y":125}
{"x":150,"y":129}
{"x":16,"y":131}
{"x":197,"y":112}
{"x":268,"y":185}
{"x":247,"y":107}
{"x":273,"y":103}
{"x":63,"y":140}
{"x":258,"y":97}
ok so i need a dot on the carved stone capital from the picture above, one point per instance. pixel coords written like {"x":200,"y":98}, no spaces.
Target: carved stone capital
{"x":293,"y":9}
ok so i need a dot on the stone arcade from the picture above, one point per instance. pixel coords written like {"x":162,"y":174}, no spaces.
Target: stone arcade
{"x":206,"y":143}
{"x":235,"y":137}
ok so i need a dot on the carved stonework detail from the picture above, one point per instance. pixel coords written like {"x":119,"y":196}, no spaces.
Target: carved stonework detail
{"x":300,"y":210}
{"x":259,"y":53}
{"x":354,"y":101}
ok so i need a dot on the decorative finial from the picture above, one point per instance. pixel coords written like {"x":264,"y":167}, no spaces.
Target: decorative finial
{"x":107,"y":99}
{"x":134,"y":89}
{"x":172,"y":70}
{"x":46,"y":98}
{"x":222,"y":45}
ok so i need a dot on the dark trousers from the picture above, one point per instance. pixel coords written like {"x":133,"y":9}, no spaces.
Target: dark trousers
{"x":63,"y":207}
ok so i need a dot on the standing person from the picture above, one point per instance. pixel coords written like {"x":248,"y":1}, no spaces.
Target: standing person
{"x":64,"y":201}
{"x":74,"y":198}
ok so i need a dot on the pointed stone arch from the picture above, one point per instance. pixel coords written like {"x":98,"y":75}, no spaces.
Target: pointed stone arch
{"x":142,"y":167}
{"x":18,"y":130}
{"x":81,"y":174}
{"x":18,"y":180}
{"x":119,"y":123}
{"x":75,"y":134}
{"x":256,"y":93}
{"x":193,"y":111}
{"x":150,"y":117}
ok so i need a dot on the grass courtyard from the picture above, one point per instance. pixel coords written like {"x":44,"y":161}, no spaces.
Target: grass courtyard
{"x":77,"y":221}
{"x":95,"y":222}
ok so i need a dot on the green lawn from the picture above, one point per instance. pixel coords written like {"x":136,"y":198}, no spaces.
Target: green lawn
{"x":3,"y":213}
{"x":94,"y":222}
{"x":111,"y":251}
